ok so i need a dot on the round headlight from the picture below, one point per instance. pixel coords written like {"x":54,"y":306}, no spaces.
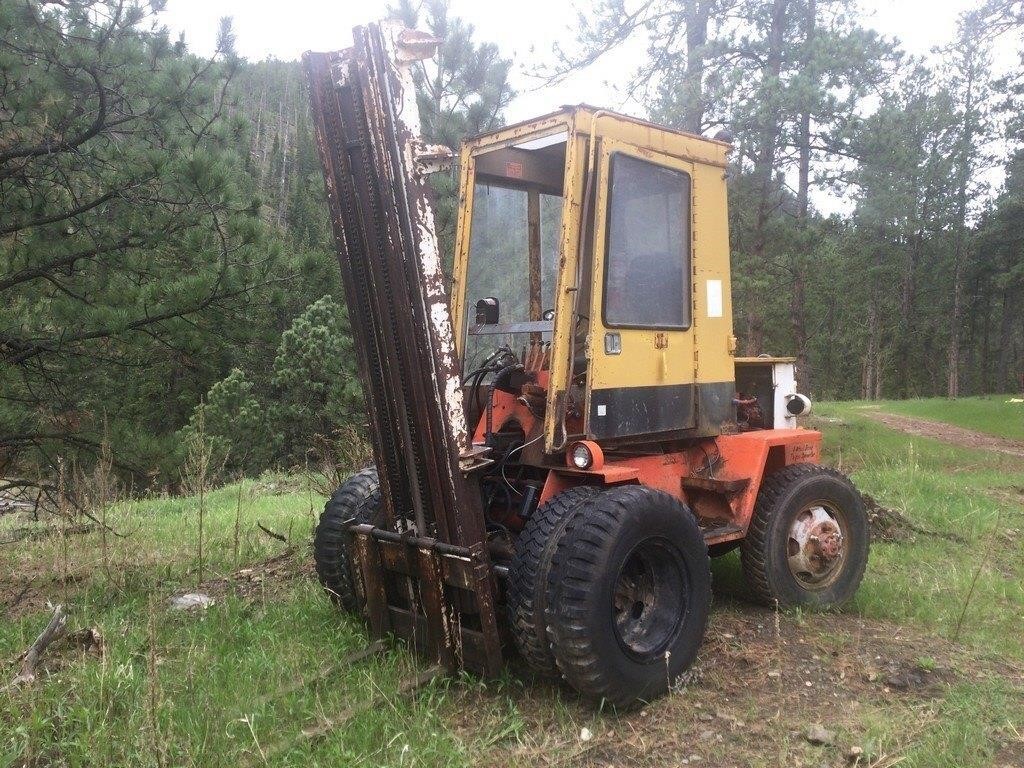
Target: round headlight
{"x":586,"y":454}
{"x":798,"y":405}
{"x":582,"y":458}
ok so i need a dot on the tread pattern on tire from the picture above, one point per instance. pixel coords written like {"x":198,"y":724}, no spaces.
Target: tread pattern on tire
{"x":753,"y":552}
{"x":534,"y":550}
{"x":571,"y":577}
{"x":358,"y":500}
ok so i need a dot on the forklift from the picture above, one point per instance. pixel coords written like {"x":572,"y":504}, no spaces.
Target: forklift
{"x":562,"y":430}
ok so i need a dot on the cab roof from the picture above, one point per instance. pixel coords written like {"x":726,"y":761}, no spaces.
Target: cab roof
{"x":585,"y":118}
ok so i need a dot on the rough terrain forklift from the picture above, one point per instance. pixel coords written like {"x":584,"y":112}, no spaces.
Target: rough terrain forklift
{"x":563,"y":433}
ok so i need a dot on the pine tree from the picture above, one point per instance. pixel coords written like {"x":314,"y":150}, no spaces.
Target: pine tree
{"x":462,"y":91}
{"x":314,"y":387}
{"x":127,"y":237}
{"x":969,"y":60}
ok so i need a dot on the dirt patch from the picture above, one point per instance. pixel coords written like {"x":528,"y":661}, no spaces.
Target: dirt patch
{"x":946,"y":433}
{"x":263,"y":579}
{"x":18,"y":597}
{"x":29,"y":592}
{"x":761,"y":682}
{"x":895,"y":527}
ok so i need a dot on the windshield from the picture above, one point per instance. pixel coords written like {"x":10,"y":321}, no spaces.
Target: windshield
{"x":499,"y":266}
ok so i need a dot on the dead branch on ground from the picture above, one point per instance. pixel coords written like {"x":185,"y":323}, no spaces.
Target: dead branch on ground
{"x":272,"y":534}
{"x":373,"y":649}
{"x":33,"y":534}
{"x":30,"y":658}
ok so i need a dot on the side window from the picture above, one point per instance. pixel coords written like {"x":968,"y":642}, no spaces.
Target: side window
{"x":647,"y":254}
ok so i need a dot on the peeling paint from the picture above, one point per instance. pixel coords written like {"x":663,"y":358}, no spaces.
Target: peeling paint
{"x":367,"y":123}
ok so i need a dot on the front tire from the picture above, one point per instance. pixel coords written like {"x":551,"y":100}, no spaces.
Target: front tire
{"x":628,"y":604}
{"x":808,"y":541}
{"x":534,"y":551}
{"x":356,"y":501}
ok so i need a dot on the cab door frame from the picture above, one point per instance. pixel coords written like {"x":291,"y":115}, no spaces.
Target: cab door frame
{"x":641,"y":379}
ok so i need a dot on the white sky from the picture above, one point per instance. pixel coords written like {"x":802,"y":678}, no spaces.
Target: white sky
{"x":524,"y":30}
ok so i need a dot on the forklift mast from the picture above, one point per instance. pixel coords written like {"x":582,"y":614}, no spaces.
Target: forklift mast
{"x":375,"y":168}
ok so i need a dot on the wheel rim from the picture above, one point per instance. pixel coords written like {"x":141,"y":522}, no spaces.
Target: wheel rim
{"x":650,"y":599}
{"x":816,"y":547}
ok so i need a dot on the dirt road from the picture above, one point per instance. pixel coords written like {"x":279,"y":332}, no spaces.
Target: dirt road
{"x":947,"y":433}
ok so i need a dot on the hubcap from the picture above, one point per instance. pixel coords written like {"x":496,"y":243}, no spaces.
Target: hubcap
{"x":649,"y":600}
{"x":816,"y":546}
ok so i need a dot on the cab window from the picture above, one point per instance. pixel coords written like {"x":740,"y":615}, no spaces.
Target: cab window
{"x":499,"y":262}
{"x":647,"y":252}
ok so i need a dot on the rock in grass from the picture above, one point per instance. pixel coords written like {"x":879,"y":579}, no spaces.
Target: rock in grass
{"x":818,"y":734}
{"x":191,"y":600}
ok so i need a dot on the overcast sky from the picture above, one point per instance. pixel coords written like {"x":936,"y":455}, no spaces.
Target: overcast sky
{"x":524,"y":30}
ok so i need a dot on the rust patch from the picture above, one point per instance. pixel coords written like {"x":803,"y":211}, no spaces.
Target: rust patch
{"x":375,"y":164}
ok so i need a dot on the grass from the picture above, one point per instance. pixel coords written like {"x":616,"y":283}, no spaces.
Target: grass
{"x":172,"y":688}
{"x":971,"y":495}
{"x":990,"y":414}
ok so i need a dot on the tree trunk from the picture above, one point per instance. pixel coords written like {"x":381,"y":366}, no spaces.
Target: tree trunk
{"x":953,"y":364}
{"x":798,"y":306}
{"x":804,"y":138}
{"x":869,"y":386}
{"x":985,"y":378}
{"x":282,"y":197}
{"x":766,"y":158}
{"x":754,"y":341}
{"x":967,"y":138}
{"x":1006,"y":345}
{"x":905,"y":339}
{"x":764,"y":165}
{"x":798,"y":323}
{"x":697,"y":15}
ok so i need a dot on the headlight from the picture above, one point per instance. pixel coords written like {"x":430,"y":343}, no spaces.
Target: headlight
{"x":582,"y":458}
{"x":585,"y":454}
{"x":798,"y":405}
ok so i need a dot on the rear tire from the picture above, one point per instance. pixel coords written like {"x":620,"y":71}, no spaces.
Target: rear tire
{"x":534,"y":550}
{"x":629,"y":600}
{"x":808,"y":541}
{"x":357,"y":501}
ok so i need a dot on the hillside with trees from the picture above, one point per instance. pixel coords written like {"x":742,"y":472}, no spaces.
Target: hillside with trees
{"x":166,"y":265}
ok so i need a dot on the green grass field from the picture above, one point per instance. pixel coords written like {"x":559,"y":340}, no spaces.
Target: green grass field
{"x":238,"y":683}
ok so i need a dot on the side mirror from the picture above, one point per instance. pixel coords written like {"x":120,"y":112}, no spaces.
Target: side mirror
{"x":487,"y":311}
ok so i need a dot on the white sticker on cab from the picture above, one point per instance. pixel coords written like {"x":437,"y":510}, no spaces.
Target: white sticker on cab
{"x":714,"y":298}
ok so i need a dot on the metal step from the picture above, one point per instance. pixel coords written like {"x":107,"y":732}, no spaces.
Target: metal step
{"x":718,"y":533}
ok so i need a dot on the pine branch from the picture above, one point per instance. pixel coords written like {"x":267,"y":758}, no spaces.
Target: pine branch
{"x":54,"y":145}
